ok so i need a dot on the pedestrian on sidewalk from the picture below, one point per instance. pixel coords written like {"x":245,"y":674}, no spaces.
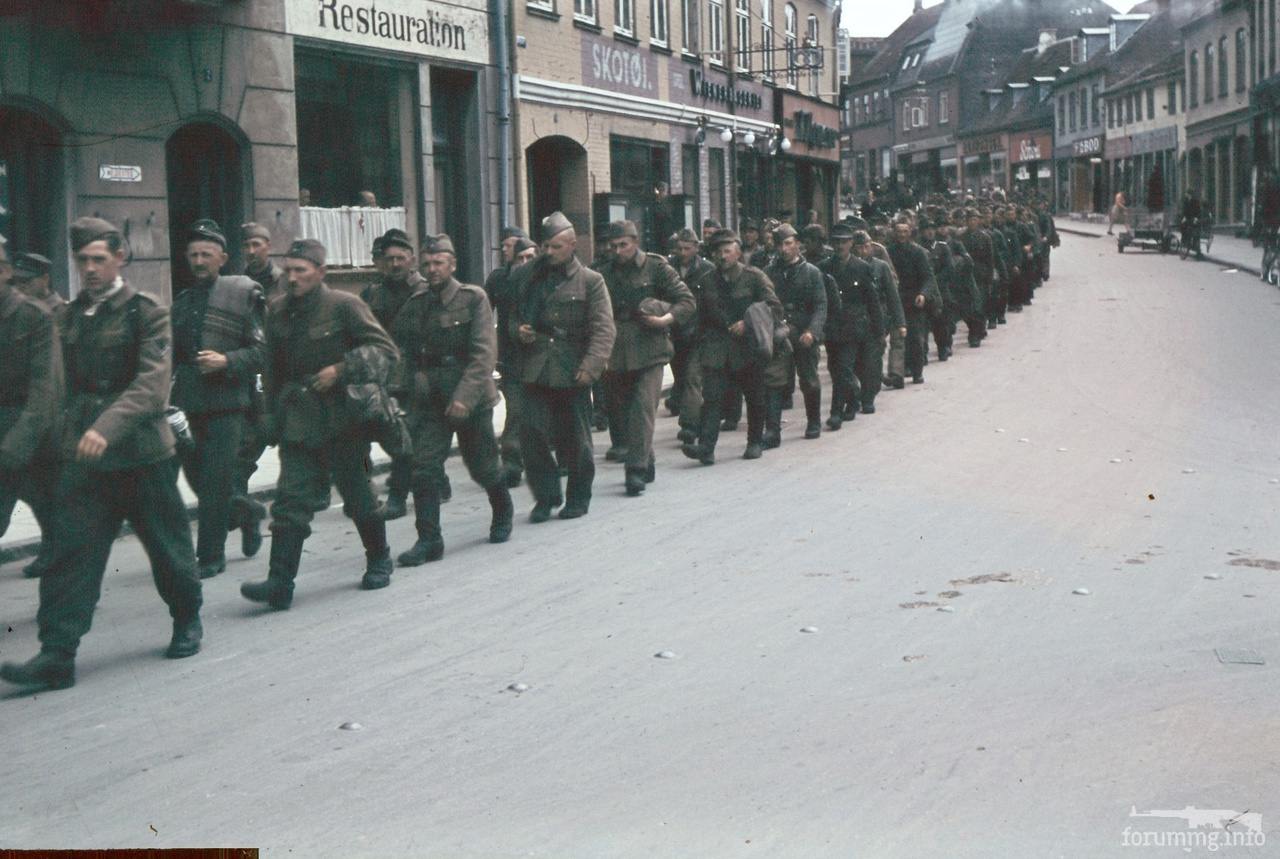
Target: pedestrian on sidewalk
{"x":117,"y":450}
{"x":1119,"y":213}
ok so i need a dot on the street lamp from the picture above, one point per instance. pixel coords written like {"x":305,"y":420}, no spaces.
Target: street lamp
{"x":725,"y":135}
{"x":785,"y":145}
{"x":749,"y":138}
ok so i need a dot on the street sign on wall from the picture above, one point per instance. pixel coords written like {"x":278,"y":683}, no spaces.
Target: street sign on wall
{"x":119,"y":172}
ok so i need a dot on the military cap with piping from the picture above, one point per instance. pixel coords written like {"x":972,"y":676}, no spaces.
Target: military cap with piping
{"x":784,"y":232}
{"x":841,"y":232}
{"x":31,"y":265}
{"x":86,"y":230}
{"x":252,"y":230}
{"x":307,"y":249}
{"x":396,"y":237}
{"x":723,"y":237}
{"x":553,"y":225}
{"x":207,"y":230}
{"x":439,"y":244}
{"x":622,"y":230}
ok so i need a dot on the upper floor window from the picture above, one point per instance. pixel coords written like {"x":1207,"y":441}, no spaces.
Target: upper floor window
{"x":1094,"y":110}
{"x":1223,"y":60}
{"x":689,"y":41}
{"x":715,"y":31}
{"x":1193,"y":78}
{"x":585,"y":10}
{"x":1208,"y":72}
{"x":1071,"y":110}
{"x":789,"y":24}
{"x":543,"y":5}
{"x":944,"y":108}
{"x":811,"y":41}
{"x":1062,"y":114}
{"x":742,"y":34}
{"x":659,"y":27}
{"x":624,"y":17}
{"x":1242,"y":61}
{"x":1171,"y":104}
{"x":766,"y":37}
{"x":1151,"y":103}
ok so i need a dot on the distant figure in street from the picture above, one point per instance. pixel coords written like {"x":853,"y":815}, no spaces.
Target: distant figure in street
{"x":1119,"y":213}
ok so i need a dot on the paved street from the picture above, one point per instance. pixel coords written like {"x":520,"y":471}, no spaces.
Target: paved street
{"x":1119,"y":437}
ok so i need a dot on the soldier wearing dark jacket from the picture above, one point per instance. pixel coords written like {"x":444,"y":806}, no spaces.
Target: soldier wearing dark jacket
{"x":724,"y":352}
{"x":944,"y":270}
{"x":564,"y":324}
{"x":217,"y":356}
{"x":685,"y":397}
{"x":648,"y":300}
{"x":998,"y":303}
{"x":1049,"y":232}
{"x":966,"y":299}
{"x":450,"y":350}
{"x":313,"y":332}
{"x":855,"y":332}
{"x":118,"y":451}
{"x":886,"y":288}
{"x":398,"y":281}
{"x":802,"y":291}
{"x":502,"y":300}
{"x":982,"y":251}
{"x":918,"y":287}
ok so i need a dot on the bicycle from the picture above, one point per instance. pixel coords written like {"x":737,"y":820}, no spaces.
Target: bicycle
{"x":1197,"y":237}
{"x":1270,"y":272}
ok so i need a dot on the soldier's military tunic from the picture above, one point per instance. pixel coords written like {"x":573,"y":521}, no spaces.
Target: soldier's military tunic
{"x":502,"y":301}
{"x":686,"y":385}
{"x":726,"y":295}
{"x":30,"y":399}
{"x":944,"y":270}
{"x":449,"y":351}
{"x":118,"y":364}
{"x":271,"y":279}
{"x":633,"y":381}
{"x":965,"y":300}
{"x":569,"y":310}
{"x":385,"y":299}
{"x":998,"y":303}
{"x":224,"y":315}
{"x":855,"y":334}
{"x":895,"y":363}
{"x":320,"y":440}
{"x":982,"y":251}
{"x":802,"y":291}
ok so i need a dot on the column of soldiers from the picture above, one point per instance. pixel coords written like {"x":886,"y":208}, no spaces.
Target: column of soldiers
{"x":94,"y":390}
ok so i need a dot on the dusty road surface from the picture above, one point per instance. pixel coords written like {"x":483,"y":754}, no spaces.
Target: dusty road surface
{"x":1119,"y":437}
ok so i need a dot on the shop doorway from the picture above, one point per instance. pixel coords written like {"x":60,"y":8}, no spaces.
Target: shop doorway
{"x":206,"y":177}
{"x":32,"y":208}
{"x":456,"y":187}
{"x":556,"y":169}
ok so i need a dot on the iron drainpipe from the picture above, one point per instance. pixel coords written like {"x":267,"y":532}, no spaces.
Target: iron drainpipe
{"x":504,"y":112}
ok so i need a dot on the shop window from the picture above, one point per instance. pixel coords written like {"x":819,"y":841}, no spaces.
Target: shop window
{"x":689,"y":26}
{"x":455,"y":167}
{"x":1223,"y":82}
{"x":766,"y":36}
{"x":716,"y":183}
{"x":624,"y":20}
{"x":1242,"y":60}
{"x":585,"y":10}
{"x":691,"y":176}
{"x":349,"y":131}
{"x":658,"y":29}
{"x":639,"y":166}
{"x":742,"y":34}
{"x":31,"y":153}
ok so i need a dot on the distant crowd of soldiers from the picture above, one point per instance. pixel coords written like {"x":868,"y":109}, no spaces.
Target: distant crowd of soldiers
{"x":105,"y":397}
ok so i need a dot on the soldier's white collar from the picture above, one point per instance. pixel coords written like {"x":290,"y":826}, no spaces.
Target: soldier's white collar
{"x":96,"y":301}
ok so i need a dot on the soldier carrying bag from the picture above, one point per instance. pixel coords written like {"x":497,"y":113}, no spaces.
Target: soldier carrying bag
{"x":370,"y":406}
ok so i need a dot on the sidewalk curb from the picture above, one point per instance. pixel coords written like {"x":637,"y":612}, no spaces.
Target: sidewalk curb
{"x":28,"y":548}
{"x":1256,"y":271}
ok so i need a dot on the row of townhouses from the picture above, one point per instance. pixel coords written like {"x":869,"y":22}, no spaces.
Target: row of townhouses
{"x":1073,"y":101}
{"x":336,"y":119}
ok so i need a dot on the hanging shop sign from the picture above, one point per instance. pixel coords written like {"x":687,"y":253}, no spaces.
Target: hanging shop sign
{"x":457,"y":31}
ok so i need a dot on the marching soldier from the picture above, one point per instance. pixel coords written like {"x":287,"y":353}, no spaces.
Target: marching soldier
{"x":450,"y":350}
{"x":30,"y":393}
{"x":217,"y":356}
{"x":724,"y":351}
{"x":886,"y":288}
{"x":944,"y":268}
{"x":502,"y":301}
{"x":801,"y":289}
{"x":917,"y":286}
{"x":648,"y":298}
{"x":1008,"y":269}
{"x":855,"y":333}
{"x":982,"y":251}
{"x":564,"y":324}
{"x":118,"y":451}
{"x":965,"y":301}
{"x":313,"y":334}
{"x":398,"y":280}
{"x":685,"y":398}
{"x":247,"y":513}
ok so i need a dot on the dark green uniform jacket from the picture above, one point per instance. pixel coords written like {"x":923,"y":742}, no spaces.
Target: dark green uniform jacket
{"x":725,"y":299}
{"x":645,"y":276}
{"x":569,"y":309}
{"x":224,"y":316}
{"x":449,"y":344}
{"x":30,"y":378}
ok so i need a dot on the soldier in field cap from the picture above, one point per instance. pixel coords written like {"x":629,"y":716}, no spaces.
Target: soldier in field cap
{"x":564,"y":326}
{"x":313,"y":335}
{"x":450,"y":351}
{"x":117,"y":452}
{"x":31,"y":276}
{"x":640,"y":285}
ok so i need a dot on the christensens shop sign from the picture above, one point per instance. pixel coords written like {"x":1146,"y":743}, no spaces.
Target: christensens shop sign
{"x":422,"y":27}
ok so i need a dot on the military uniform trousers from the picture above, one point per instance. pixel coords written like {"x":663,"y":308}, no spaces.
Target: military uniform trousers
{"x":633,"y":404}
{"x":433,"y":438}
{"x":855,"y":369}
{"x":748,"y":382}
{"x":942,"y":326}
{"x":211,"y":468}
{"x":997,"y":301}
{"x":253,"y":443}
{"x":897,"y":364}
{"x":785,"y":366}
{"x":917,"y":340}
{"x":34,"y":485}
{"x":306,"y":474}
{"x":91,"y":506}
{"x":558,"y":419}
{"x":686,"y":387}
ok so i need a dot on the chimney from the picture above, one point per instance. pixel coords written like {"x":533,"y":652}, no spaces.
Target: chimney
{"x":919,"y":7}
{"x":1047,"y":38}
